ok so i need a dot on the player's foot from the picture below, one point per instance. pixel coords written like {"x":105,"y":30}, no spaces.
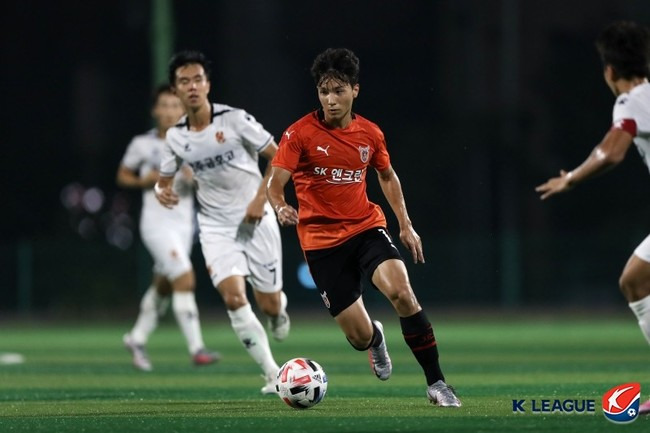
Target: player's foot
{"x":269,"y":387}
{"x":442,"y":395}
{"x":140,"y":357}
{"x":280,"y":325}
{"x":205,"y":357}
{"x":378,"y":356}
{"x":644,"y":409}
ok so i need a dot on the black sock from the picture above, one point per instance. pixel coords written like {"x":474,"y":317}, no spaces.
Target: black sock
{"x":374,"y":341}
{"x":418,"y":334}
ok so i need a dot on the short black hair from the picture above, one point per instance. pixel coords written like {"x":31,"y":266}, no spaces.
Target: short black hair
{"x":187,"y":57}
{"x":159,"y":90}
{"x":625,"y":46}
{"x":340,"y":64}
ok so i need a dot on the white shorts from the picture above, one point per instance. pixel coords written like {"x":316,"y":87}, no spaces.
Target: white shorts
{"x":643,"y":250}
{"x":170,"y":251}
{"x":255,"y":252}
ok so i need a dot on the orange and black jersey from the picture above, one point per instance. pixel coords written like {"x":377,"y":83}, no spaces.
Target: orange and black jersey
{"x":329,"y":167}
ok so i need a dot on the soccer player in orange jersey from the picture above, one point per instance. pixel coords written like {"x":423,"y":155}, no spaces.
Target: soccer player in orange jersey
{"x":343,"y":234}
{"x":624,"y":48}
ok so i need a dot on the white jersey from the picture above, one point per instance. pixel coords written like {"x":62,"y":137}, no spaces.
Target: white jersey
{"x":224,"y":158}
{"x":632,"y":114}
{"x":142,"y":156}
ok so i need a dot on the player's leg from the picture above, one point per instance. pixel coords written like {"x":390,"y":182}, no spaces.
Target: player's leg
{"x":248,"y":328}
{"x":172,"y":250}
{"x":635,"y":285}
{"x":264,"y":254}
{"x":338,"y":278}
{"x":381,"y":259}
{"x":187,"y":317}
{"x":147,"y":321}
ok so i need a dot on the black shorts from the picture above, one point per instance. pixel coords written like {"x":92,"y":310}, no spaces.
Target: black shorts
{"x":337,"y":271}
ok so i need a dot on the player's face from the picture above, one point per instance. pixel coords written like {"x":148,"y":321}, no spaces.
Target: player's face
{"x":192,"y":85}
{"x":336,"y":99}
{"x":167,"y":111}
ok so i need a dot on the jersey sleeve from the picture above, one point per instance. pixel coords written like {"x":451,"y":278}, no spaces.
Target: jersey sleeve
{"x":169,"y":162}
{"x":380,"y":159}
{"x":623,"y":116}
{"x":133,"y":157}
{"x":253,"y":134}
{"x":289,"y":150}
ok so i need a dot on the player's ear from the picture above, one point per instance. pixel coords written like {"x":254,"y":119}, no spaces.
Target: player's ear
{"x":355,"y":90}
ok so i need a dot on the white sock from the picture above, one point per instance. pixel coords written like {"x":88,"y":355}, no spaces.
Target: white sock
{"x":283,"y":304}
{"x":187,"y":316}
{"x":148,"y":316}
{"x":641,"y":309}
{"x":250,"y":332}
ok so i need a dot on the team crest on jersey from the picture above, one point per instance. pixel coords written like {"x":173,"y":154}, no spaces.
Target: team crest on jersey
{"x":220,"y":138}
{"x":364,"y":153}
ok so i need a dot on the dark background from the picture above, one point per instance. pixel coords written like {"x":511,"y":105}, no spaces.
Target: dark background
{"x":480,"y":101}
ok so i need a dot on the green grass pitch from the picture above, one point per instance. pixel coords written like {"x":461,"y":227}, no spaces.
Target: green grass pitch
{"x":78,"y":378}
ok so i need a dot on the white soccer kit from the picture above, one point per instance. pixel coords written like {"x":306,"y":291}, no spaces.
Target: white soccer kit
{"x":167,"y":233}
{"x":224,"y":158}
{"x":632,"y":114}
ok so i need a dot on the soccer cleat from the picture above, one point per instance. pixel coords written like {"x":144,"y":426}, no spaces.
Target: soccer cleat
{"x":378,"y":356}
{"x":140,"y":357}
{"x":205,"y":357}
{"x":442,"y":395}
{"x":270,"y":387}
{"x":644,"y":409}
{"x":280,"y":325}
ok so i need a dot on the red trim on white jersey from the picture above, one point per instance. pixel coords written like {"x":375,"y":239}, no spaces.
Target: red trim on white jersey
{"x":627,"y":125}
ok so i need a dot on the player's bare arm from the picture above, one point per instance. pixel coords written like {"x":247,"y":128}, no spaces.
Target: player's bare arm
{"x":605,"y":156}
{"x":255,"y":209}
{"x":287,"y":215}
{"x":164,"y":192}
{"x":392,"y":189}
{"x":127,"y":178}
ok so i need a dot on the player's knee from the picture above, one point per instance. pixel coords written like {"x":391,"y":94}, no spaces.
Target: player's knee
{"x":234,"y":301}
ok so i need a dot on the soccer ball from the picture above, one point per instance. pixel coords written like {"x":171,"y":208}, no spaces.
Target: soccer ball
{"x":301,"y":383}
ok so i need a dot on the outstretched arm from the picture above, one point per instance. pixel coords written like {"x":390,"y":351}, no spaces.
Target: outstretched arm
{"x":392,"y":189}
{"x":605,"y":156}
{"x":287,"y":215}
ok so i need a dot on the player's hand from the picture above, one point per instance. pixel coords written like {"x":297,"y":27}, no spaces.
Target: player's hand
{"x":255,"y":211}
{"x":166,"y":196}
{"x":555,"y":185}
{"x":287,"y":215}
{"x":412,"y":241}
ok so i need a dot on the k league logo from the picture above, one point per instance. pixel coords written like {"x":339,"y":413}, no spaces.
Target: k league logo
{"x":621,"y":403}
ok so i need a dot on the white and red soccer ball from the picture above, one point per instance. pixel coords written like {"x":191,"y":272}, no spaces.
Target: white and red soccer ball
{"x":301,"y":383}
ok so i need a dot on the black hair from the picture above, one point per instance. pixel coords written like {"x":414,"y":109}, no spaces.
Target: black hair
{"x":625,"y":46}
{"x":340,"y":64}
{"x":184,"y":58}
{"x":159,"y":90}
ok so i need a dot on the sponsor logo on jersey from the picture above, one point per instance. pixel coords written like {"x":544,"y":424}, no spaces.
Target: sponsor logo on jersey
{"x":187,"y":147}
{"x":621,"y":403}
{"x":288,"y":134}
{"x":220,"y":138}
{"x":340,"y":176}
{"x":364,"y":153}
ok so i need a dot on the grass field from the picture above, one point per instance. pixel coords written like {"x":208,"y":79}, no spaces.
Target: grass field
{"x":78,"y":378}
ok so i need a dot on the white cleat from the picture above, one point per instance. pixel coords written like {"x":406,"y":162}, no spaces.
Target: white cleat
{"x":269,"y":388}
{"x":378,"y":356}
{"x":442,"y":395}
{"x":140,"y":357}
{"x":279,"y":326}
